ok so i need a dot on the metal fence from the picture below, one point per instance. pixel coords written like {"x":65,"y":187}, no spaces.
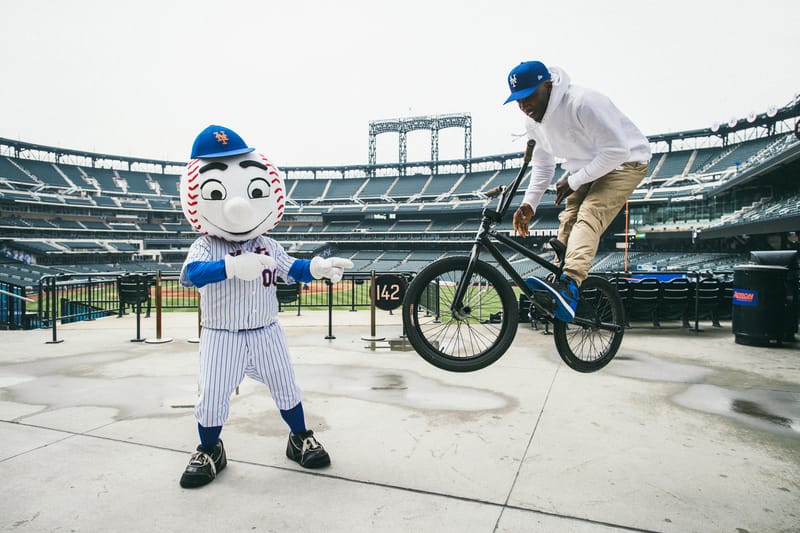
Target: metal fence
{"x":61,"y":299}
{"x":66,"y":298}
{"x":13,"y":299}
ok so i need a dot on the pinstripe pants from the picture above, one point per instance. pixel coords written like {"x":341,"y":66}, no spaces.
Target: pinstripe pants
{"x":227,"y":356}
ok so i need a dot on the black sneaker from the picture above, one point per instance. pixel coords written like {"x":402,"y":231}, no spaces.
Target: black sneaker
{"x":307,"y":451}
{"x":203,"y":467}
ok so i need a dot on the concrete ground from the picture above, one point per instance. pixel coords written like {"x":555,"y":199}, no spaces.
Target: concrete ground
{"x":683,"y":431}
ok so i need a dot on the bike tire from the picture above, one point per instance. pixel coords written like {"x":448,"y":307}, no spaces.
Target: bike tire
{"x":586,"y":348}
{"x":460,"y":344}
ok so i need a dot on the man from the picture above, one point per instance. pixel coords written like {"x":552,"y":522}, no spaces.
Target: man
{"x":606,"y":156}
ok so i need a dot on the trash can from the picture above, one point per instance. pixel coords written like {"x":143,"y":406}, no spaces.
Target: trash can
{"x":791,"y":260}
{"x":759,"y":304}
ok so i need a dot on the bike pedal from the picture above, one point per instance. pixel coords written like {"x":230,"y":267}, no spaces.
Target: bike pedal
{"x":544,"y":299}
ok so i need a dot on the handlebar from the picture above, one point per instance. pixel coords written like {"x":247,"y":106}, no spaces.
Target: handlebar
{"x":491,"y":193}
{"x":509,"y":191}
{"x":529,"y":151}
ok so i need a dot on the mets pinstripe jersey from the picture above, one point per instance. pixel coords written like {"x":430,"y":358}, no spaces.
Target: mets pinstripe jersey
{"x":235,"y":304}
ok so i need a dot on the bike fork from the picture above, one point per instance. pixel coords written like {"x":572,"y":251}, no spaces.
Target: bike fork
{"x":459,"y":310}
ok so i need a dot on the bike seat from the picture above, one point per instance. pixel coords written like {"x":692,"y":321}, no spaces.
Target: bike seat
{"x":559,"y":248}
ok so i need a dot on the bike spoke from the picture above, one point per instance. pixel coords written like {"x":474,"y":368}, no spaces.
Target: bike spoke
{"x":591,"y":337}
{"x":469,"y":336}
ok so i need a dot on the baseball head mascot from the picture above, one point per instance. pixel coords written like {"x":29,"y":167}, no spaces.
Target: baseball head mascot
{"x":233,"y":195}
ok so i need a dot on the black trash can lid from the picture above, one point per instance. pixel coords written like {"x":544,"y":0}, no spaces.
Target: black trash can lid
{"x":760,"y":268}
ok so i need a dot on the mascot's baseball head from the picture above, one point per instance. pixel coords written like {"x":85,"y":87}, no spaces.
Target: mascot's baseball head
{"x":228,"y":190}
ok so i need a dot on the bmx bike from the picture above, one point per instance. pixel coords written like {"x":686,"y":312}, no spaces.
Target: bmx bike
{"x":461,"y":314}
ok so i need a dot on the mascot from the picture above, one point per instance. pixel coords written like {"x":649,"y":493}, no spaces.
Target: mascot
{"x":233,"y":195}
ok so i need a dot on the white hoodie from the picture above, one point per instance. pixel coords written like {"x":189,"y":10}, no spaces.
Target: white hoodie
{"x":584,"y":128}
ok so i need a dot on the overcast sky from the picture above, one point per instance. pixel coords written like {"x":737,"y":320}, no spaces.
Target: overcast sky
{"x":300,"y":80}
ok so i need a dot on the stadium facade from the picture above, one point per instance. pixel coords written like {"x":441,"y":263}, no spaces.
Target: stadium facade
{"x":710,"y":196}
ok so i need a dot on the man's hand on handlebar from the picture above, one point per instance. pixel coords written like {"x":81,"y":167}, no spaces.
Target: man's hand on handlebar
{"x":562,"y":190}
{"x":522,"y":217}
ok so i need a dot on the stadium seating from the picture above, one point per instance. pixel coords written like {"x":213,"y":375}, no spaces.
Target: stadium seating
{"x":643,"y":303}
{"x":12,"y":174}
{"x":47,"y":174}
{"x":136,"y":182}
{"x":674,"y":298}
{"x":58,"y":211}
{"x":167,"y":184}
{"x":105,"y":179}
{"x":409,"y":187}
{"x":376,"y":188}
{"x":674,"y":164}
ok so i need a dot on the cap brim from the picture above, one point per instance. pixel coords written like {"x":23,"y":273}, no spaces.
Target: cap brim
{"x":229,"y":153}
{"x":522,"y":93}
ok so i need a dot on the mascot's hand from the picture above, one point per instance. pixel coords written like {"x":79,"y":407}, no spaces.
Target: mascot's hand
{"x":332,"y":268}
{"x":247,"y":266}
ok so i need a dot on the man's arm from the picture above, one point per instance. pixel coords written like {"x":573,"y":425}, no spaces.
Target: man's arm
{"x":544,"y":166}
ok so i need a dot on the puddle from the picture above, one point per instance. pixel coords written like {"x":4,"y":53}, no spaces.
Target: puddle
{"x":131,"y":397}
{"x":746,"y":407}
{"x":10,"y":381}
{"x":641,"y":366}
{"x":777,"y":411}
{"x":396,"y":387}
{"x":137,"y":396}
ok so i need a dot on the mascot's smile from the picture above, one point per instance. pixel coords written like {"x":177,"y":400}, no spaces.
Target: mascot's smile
{"x":238,"y":233}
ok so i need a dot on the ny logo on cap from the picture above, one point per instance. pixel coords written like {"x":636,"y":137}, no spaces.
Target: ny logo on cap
{"x":513,"y":80}
{"x":221,"y":137}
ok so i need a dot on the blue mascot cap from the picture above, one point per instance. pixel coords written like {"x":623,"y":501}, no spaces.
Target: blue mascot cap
{"x":218,"y":141}
{"x":525,"y":78}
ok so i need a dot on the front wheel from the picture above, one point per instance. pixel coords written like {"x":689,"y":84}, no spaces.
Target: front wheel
{"x":478,"y":333}
{"x":592,"y":341}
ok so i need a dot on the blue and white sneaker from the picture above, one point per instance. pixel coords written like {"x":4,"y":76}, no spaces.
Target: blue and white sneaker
{"x":565,"y":294}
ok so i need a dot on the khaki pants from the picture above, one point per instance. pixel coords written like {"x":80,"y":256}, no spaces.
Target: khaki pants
{"x":588,"y":213}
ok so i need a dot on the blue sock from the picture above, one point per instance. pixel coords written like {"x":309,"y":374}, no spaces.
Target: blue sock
{"x":295,"y":418}
{"x":209,"y":437}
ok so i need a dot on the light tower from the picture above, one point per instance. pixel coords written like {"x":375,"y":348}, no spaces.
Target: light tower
{"x":432,"y":123}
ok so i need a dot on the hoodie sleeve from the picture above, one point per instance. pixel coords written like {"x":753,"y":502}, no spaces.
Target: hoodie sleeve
{"x":602,"y":122}
{"x":544,"y":167}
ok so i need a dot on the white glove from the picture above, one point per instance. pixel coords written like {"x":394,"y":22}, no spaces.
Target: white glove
{"x":332,"y":268}
{"x":247,"y":266}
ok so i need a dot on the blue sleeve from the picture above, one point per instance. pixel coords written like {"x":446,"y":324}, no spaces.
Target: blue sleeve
{"x":204,"y":272}
{"x":301,"y":270}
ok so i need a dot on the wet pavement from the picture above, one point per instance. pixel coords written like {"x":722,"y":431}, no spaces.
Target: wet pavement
{"x":683,"y":431}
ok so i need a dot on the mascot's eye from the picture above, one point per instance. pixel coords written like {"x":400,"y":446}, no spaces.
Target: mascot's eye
{"x":258,"y":188}
{"x":213,"y":190}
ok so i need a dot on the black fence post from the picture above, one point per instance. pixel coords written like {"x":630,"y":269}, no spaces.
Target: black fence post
{"x":330,"y":310}
{"x":352,"y":293}
{"x":40,"y":311}
{"x":696,"y":302}
{"x":54,"y":311}
{"x":89,"y":299}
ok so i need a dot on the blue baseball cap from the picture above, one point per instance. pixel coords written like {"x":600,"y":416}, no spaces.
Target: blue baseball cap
{"x":525,"y":78}
{"x":218,"y":141}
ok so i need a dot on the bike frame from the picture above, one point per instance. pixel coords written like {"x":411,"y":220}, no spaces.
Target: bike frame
{"x":485,"y":238}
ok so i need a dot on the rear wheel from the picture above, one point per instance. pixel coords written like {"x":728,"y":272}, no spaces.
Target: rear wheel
{"x":475,"y":336}
{"x":591,"y":342}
